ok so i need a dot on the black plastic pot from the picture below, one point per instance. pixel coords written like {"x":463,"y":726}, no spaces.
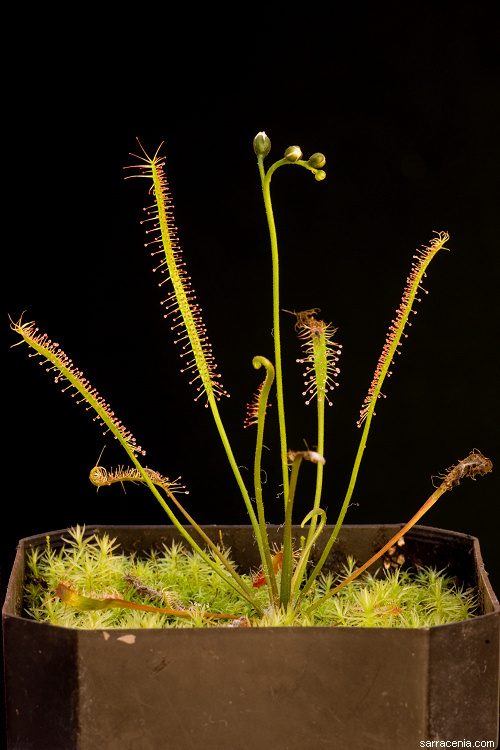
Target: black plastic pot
{"x":237,"y":688}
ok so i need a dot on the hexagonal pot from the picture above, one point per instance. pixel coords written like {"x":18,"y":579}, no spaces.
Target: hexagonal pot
{"x":285,"y":688}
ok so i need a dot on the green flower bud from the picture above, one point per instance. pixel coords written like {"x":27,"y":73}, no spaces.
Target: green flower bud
{"x":317,"y":160}
{"x":320,"y":175}
{"x":261,"y":144}
{"x":293,"y":153}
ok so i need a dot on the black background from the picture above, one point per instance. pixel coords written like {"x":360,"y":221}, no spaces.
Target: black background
{"x":404,"y":102}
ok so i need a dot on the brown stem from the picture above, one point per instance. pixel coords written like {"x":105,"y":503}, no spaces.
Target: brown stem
{"x":475,"y":464}
{"x":87,"y":603}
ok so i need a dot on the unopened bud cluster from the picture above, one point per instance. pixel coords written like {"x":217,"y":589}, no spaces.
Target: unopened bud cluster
{"x":262,"y":146}
{"x":316,"y":161}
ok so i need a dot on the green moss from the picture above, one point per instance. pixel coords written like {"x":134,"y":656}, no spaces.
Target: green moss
{"x":178,"y":578}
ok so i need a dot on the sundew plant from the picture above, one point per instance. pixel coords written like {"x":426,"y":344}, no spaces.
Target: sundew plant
{"x":286,"y":577}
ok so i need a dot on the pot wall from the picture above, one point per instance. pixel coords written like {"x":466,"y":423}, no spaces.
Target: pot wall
{"x":224,"y":688}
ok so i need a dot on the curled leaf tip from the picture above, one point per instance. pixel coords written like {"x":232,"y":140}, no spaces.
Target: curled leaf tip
{"x":474,"y":465}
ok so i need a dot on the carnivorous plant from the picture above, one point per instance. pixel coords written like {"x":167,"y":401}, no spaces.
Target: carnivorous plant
{"x":286,"y":574}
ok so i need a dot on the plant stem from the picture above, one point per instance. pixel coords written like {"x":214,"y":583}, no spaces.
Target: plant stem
{"x":261,"y":415}
{"x":298,"y":573}
{"x":319,"y":468}
{"x":343,"y":509}
{"x":232,"y":461}
{"x":265,"y":179}
{"x":260,"y":536}
{"x":286,"y":570}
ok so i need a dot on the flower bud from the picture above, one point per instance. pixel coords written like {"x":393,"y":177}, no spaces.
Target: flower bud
{"x":261,"y":144}
{"x":317,"y":160}
{"x":293,"y":153}
{"x":320,"y":175}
